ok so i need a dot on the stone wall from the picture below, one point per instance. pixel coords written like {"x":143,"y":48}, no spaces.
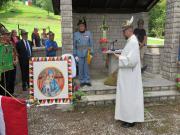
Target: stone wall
{"x":41,"y":52}
{"x":153,"y":62}
{"x":115,"y":33}
{"x":152,"y":59}
{"x":67,"y":27}
{"x":169,"y":66}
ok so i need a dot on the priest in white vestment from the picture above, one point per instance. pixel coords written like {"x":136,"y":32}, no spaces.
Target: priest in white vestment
{"x":129,"y":94}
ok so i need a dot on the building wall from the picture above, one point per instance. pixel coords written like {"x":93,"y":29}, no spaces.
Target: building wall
{"x":115,"y":33}
{"x":169,"y":67}
{"x":66,"y":24}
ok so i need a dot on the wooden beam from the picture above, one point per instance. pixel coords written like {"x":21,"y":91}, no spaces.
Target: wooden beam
{"x":135,"y":3}
{"x":151,"y":5}
{"x":107,"y":3}
{"x":106,"y":7}
{"x":56,"y":6}
{"x":107,"y":10}
{"x":74,"y":2}
{"x":90,"y":4}
{"x":122,"y":3}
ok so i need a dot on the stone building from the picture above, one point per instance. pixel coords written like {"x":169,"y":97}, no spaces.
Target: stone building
{"x":115,"y":12}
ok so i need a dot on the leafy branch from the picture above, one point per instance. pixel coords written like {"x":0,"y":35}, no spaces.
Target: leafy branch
{"x":104,"y":26}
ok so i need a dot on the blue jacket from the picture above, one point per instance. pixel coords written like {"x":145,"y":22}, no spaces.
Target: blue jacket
{"x":49,"y":44}
{"x":81,"y":43}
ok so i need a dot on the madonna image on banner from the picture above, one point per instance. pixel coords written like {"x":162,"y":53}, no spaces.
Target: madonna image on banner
{"x":51,"y":80}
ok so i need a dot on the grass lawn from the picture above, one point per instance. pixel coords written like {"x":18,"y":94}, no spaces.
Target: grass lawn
{"x":155,"y":41}
{"x":29,"y":17}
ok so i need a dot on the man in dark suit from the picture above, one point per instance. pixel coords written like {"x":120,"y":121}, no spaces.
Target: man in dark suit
{"x":24,"y":49}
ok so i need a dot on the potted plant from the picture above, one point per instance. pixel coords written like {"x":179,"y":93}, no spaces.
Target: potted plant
{"x":77,"y":93}
{"x":178,"y":81}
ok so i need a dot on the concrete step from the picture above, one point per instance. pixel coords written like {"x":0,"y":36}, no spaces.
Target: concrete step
{"x":151,"y":82}
{"x":113,"y":90}
{"x":153,"y":96}
{"x":98,"y":87}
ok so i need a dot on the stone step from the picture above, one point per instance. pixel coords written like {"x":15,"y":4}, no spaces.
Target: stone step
{"x":151,"y":82}
{"x":112,"y":90}
{"x":154,"y":96}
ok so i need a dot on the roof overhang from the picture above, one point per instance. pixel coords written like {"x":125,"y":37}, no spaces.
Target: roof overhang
{"x":107,"y":6}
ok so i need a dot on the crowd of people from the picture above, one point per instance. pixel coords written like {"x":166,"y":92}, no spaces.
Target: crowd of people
{"x":22,"y":52}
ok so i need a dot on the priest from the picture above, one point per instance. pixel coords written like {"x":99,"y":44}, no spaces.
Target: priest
{"x":129,"y":95}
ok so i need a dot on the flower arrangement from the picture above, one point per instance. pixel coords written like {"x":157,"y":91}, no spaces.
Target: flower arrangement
{"x":104,"y":26}
{"x":178,"y":81}
{"x":103,"y":40}
{"x":77,"y":93}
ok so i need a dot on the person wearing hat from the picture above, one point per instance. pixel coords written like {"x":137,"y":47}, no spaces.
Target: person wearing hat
{"x":140,"y":33}
{"x":129,"y":94}
{"x":8,"y":77}
{"x":24,"y":50}
{"x":3,"y":29}
{"x":82,"y":42}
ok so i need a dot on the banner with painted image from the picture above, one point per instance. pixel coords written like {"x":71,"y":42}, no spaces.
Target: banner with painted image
{"x":51,"y":80}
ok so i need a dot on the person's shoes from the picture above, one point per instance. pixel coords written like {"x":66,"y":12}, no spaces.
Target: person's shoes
{"x":143,"y":68}
{"x":82,"y":84}
{"x":24,"y":89}
{"x":89,"y":84}
{"x":128,"y":125}
{"x":25,"y":86}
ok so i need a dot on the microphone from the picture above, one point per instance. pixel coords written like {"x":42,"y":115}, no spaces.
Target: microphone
{"x":115,"y":41}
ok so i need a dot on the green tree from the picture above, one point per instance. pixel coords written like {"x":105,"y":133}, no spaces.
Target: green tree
{"x":4,"y":3}
{"x":48,"y":6}
{"x":157,"y":19}
{"x":45,"y":4}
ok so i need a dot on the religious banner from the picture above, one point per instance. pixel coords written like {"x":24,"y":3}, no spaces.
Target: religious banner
{"x":51,"y":80}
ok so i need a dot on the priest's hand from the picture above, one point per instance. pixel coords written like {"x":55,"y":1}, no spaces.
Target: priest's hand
{"x":77,"y":58}
{"x":117,"y":55}
{"x":141,"y":45}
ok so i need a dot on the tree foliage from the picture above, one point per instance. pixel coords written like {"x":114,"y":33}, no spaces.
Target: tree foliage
{"x":157,"y":19}
{"x":3,"y":3}
{"x":45,"y":4}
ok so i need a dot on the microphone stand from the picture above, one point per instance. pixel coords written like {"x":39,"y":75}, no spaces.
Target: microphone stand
{"x":113,"y":49}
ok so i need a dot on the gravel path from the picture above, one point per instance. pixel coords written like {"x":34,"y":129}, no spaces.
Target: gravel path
{"x":100,"y":121}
